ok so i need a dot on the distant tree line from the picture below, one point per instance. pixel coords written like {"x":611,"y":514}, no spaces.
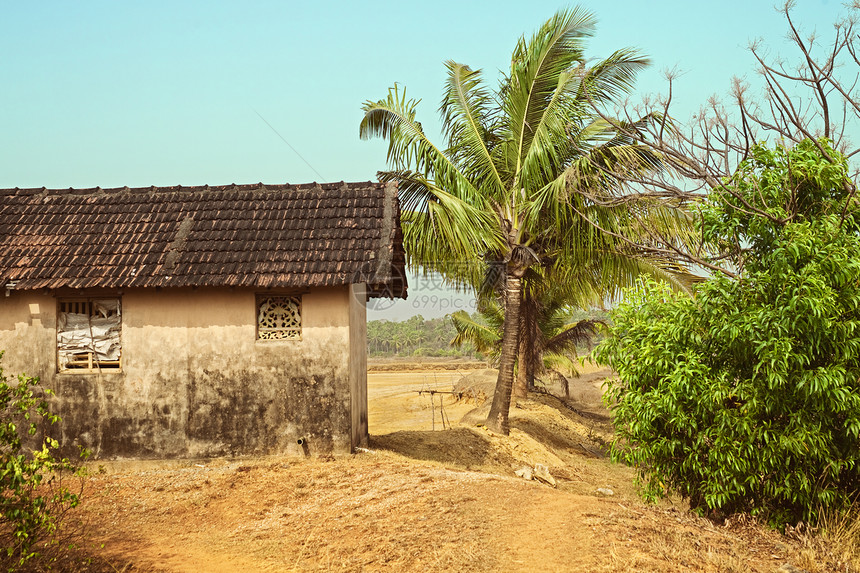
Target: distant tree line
{"x":415,"y":337}
{"x":418,"y":336}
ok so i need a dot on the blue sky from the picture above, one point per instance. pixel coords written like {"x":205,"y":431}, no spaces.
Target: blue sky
{"x":163,"y":93}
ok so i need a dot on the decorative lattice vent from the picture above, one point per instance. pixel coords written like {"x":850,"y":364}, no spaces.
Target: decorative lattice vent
{"x":279,"y":318}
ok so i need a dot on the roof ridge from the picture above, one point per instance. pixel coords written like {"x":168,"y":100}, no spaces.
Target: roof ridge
{"x":273,"y":187}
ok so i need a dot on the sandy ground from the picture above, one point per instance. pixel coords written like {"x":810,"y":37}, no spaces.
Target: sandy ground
{"x":420,"y":498}
{"x":412,"y":401}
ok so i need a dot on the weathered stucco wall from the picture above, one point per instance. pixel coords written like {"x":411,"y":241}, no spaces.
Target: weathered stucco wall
{"x":26,"y":321}
{"x":195,"y":382}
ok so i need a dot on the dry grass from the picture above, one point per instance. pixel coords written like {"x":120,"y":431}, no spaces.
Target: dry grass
{"x":425,"y":500}
{"x":832,"y":546}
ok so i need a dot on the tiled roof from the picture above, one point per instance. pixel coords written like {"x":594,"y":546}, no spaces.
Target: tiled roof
{"x":234,"y":235}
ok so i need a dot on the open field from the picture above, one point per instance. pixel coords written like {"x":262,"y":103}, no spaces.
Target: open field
{"x":419,"y":499}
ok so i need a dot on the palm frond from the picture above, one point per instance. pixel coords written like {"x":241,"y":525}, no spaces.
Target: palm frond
{"x":573,"y":335}
{"x":555,"y":363}
{"x":467,"y":125}
{"x":612,"y":77}
{"x":449,"y":234}
{"x":409,"y":148}
{"x":536,"y":66}
{"x":568,"y":116}
{"x":485,"y":338}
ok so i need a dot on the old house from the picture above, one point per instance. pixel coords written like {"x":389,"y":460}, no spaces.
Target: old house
{"x":199,"y":321}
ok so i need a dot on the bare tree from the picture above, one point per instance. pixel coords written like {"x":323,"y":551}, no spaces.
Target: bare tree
{"x":813,"y":96}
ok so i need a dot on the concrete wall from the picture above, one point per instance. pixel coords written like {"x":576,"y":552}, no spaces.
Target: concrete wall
{"x":195,"y":382}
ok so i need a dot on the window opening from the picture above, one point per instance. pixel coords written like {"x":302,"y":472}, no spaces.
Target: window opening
{"x":88,"y":334}
{"x":279,"y":318}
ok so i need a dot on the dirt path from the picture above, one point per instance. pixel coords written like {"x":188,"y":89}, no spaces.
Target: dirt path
{"x":377,"y":513}
{"x":418,"y":500}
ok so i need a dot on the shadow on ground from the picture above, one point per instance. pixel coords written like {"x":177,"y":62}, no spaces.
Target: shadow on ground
{"x":463,"y":447}
{"x":544,"y":429}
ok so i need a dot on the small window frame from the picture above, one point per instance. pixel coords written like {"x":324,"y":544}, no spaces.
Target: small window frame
{"x":87,"y":362}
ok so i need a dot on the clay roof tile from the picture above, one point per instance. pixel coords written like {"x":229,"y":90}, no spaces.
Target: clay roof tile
{"x":251,"y":235}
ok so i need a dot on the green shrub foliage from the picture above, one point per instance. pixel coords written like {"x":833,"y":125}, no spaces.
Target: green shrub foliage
{"x":33,"y":494}
{"x":746,"y":397}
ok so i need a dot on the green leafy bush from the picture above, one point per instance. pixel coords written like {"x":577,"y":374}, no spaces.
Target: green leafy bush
{"x":746,"y":397}
{"x":33,"y":494}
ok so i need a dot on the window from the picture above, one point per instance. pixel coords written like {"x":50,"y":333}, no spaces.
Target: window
{"x":88,"y":334}
{"x":279,"y":318}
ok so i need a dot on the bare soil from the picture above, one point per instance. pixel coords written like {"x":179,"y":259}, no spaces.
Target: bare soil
{"x":429,"y":494}
{"x":423,"y":363}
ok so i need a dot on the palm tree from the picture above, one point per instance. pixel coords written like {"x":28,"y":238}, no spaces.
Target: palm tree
{"x":549,"y":335}
{"x":373,"y":340}
{"x":503,"y":189}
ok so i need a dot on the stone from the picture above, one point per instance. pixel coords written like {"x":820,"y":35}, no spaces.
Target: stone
{"x":541,"y":473}
{"x":524,"y":472}
{"x":789,"y":568}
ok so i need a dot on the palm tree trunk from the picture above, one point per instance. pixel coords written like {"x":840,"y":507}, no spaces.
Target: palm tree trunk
{"x":534,"y":357}
{"x":497,"y":421}
{"x":521,"y":384}
{"x":531,"y":365}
